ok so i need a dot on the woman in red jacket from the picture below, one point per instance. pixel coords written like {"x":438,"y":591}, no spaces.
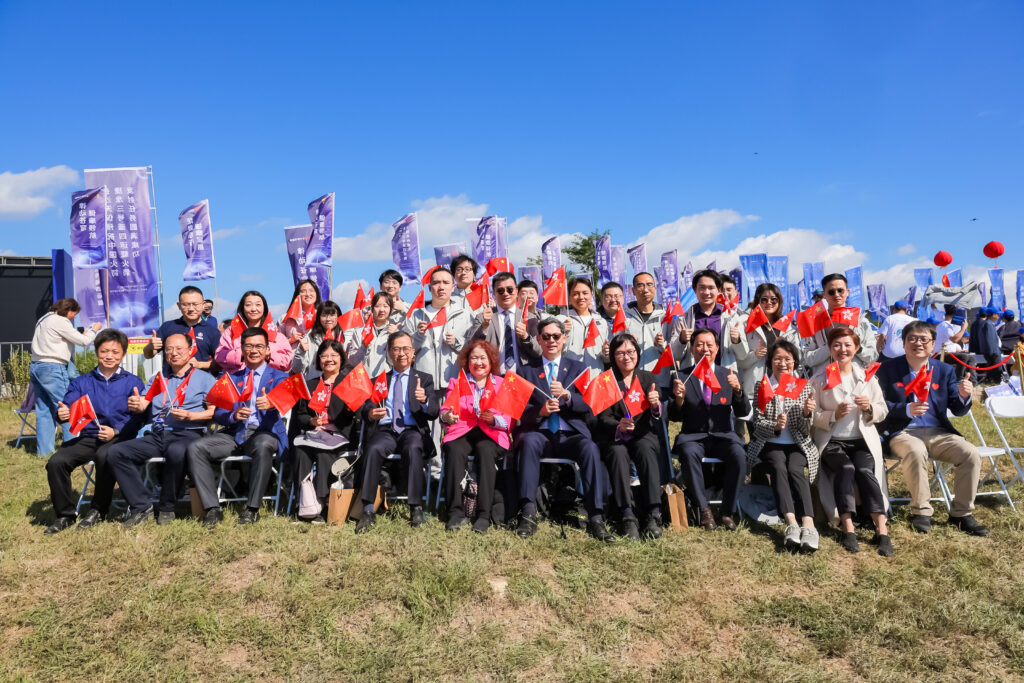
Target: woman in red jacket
{"x":473,"y":430}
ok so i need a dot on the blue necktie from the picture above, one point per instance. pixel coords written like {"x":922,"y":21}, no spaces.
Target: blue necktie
{"x":398,"y":402}
{"x":554,"y":424}
{"x":509,"y":352}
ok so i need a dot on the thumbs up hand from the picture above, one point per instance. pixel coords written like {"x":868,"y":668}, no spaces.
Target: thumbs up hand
{"x":262,"y":402}
{"x":734,"y":333}
{"x":420,"y":395}
{"x":762,"y":350}
{"x":63,"y":412}
{"x":136,"y":403}
{"x":734,"y":381}
{"x":156,"y":341}
{"x":653,"y":397}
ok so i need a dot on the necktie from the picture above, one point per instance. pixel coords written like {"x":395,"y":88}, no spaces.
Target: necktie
{"x":707,"y":394}
{"x":554,"y":424}
{"x":508,"y":351}
{"x":398,"y":403}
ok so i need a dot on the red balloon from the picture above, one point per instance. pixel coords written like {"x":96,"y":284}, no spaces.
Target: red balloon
{"x":994,"y":249}
{"x":943,"y":259}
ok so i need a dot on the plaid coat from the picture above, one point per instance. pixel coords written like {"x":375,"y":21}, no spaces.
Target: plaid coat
{"x":763,"y":425}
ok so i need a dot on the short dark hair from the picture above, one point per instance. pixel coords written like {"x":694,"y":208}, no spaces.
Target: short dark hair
{"x":397,"y":335}
{"x":843,"y":331}
{"x":64,"y":306}
{"x":704,"y":330}
{"x":727,"y":278}
{"x":462,"y":258}
{"x":390,"y":273}
{"x":917,"y":326}
{"x":617,"y":341}
{"x":950,"y":309}
{"x":249,"y":332}
{"x":501,"y":277}
{"x":208,"y":301}
{"x":331,"y":344}
{"x":381,"y":295}
{"x":241,"y":305}
{"x":783,"y":345}
{"x":548,"y":322}
{"x":110,"y":335}
{"x":528,"y":284}
{"x":830,"y":277}
{"x":610,"y":285}
{"x":189,"y":289}
{"x":713,"y":275}
{"x":581,"y":281}
{"x":440,"y":269}
{"x":643,"y":272}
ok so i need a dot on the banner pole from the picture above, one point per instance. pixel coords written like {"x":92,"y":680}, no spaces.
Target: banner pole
{"x":106,"y":294}
{"x":156,"y":239}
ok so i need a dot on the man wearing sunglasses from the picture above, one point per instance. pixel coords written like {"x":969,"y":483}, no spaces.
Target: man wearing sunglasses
{"x":503,"y":327}
{"x":554,"y":425}
{"x":815,"y":349}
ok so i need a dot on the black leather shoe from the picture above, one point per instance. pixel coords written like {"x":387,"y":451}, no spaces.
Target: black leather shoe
{"x":482,"y":524}
{"x":213,"y":517}
{"x":527,"y":526}
{"x":366,"y":521}
{"x":728,"y":523}
{"x":416,"y":517}
{"x":456,"y":521}
{"x":137,"y":518}
{"x":59,"y":525}
{"x":922,"y":524}
{"x":652,"y":527}
{"x":707,"y":520}
{"x":599,"y":531}
{"x":92,"y":518}
{"x":630,"y":528}
{"x":969,"y":525}
{"x":248,"y":516}
{"x":164,"y":517}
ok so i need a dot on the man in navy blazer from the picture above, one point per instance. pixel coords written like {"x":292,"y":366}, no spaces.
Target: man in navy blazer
{"x":707,"y":430}
{"x":400,"y":425}
{"x":555,"y":424}
{"x":919,"y":430}
{"x":252,"y":428}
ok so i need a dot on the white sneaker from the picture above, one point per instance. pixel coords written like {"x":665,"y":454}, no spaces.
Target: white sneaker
{"x":808,"y":539}
{"x":792,"y":537}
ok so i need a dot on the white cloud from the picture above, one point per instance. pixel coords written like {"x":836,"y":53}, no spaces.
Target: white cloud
{"x":344,"y":293}
{"x":690,"y":232}
{"x":906,"y":249}
{"x":24,"y":195}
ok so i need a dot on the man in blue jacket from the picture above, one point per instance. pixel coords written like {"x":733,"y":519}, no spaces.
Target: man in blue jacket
{"x":253,"y":427}
{"x":919,"y":430}
{"x":985,"y":342}
{"x":108,"y":388}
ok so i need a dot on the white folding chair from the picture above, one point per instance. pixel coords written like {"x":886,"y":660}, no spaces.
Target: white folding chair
{"x":27,"y":407}
{"x":1006,"y":408}
{"x":226,"y":492}
{"x":87,"y":470}
{"x":937,"y":480}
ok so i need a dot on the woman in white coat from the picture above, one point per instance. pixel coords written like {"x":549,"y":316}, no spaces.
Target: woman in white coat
{"x":848,"y":408}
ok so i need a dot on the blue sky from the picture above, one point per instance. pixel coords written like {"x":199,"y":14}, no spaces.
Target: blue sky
{"x":855,"y":133}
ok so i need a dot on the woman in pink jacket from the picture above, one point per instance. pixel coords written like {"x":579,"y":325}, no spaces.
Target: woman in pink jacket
{"x":472,"y":430}
{"x":252,"y":312}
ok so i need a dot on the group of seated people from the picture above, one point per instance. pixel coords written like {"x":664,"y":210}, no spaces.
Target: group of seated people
{"x":437,"y":368}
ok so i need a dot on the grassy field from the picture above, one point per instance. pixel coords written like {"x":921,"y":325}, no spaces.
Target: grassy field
{"x":286,"y":601}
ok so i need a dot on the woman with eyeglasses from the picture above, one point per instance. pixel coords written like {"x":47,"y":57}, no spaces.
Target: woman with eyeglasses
{"x":372,"y":349}
{"x":308,"y":294}
{"x":752,"y":366}
{"x":253,"y":310}
{"x":782,"y":441}
{"x":586,"y":332}
{"x":325,"y":328}
{"x":847,"y":410}
{"x":473,"y":429}
{"x":627,"y":435}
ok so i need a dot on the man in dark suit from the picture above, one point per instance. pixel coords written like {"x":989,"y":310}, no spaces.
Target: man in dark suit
{"x":554,"y":424}
{"x":707,"y":429}
{"x":920,"y":430}
{"x":503,"y":326}
{"x":253,"y":427}
{"x":401,"y":425}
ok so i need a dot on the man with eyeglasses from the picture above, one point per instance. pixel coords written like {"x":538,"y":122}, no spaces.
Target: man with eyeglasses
{"x":815,"y":349}
{"x":503,"y":326}
{"x":644,"y":321}
{"x":919,"y":430}
{"x":438,"y":341}
{"x":253,"y":427}
{"x":709,"y":314}
{"x":464,"y":270}
{"x":191,"y":323}
{"x":890,"y":334}
{"x":555,"y":425}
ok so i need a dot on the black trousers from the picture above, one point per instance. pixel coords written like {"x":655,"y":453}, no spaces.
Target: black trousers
{"x":76,"y":453}
{"x":734,"y":466}
{"x":126,"y":457}
{"x":456,"y":456}
{"x":203,"y":453}
{"x":569,"y":445}
{"x":644,"y":452}
{"x":412,"y":448}
{"x":304,"y":459}
{"x":849,"y":463}
{"x":787,"y":462}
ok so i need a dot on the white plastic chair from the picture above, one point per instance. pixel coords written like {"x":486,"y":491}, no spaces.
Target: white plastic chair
{"x":1007,"y":408}
{"x":226,"y":492}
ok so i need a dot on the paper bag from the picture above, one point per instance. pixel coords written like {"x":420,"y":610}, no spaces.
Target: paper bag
{"x":674,"y":501}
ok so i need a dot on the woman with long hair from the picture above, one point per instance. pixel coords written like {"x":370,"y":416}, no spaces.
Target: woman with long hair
{"x":252,"y":311}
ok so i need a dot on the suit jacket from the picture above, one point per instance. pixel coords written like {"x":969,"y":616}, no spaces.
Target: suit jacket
{"x":645,"y":423}
{"x":895,"y":374}
{"x":574,"y":411}
{"x":700,"y":419}
{"x":338,"y":413}
{"x":422,"y":413}
{"x":527,"y":349}
{"x":269,"y":420}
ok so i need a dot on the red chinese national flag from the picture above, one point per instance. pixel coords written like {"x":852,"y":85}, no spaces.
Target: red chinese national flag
{"x":870,"y":372}
{"x":223,"y":394}
{"x":355,"y":389}
{"x":728,"y":305}
{"x":920,"y":384}
{"x":555,"y":292}
{"x":602,"y":392}
{"x":846,"y":315}
{"x":593,"y":334}
{"x":476,"y":295}
{"x":380,"y":389}
{"x":246,"y":392}
{"x":192,"y":336}
{"x":512,"y":396}
{"x":945,"y":280}
{"x":636,"y":398}
{"x":237,"y":326}
{"x":833,"y":377}
{"x":82,"y":413}
{"x":706,"y":373}
{"x":288,"y":392}
{"x":674,"y":310}
{"x":426,"y":276}
{"x":320,"y":398}
{"x":665,"y":360}
{"x":783,"y":323}
{"x":500,"y":264}
{"x":416,"y":303}
{"x":813,"y":320}
{"x":439,"y":319}
{"x":619,"y":323}
{"x":756,"y":319}
{"x":790,"y":386}
{"x":294,"y":311}
{"x":765,"y":394}
{"x":157,"y":387}
{"x":351,"y":320}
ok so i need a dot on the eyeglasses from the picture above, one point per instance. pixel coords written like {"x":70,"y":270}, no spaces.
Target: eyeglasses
{"x":644,"y":285}
{"x":919,"y":340}
{"x":833,"y":292}
{"x":464,"y":269}
{"x":504,"y":290}
{"x":402,"y":350}
{"x":551,"y":337}
{"x":628,"y":353}
{"x":254,"y":347}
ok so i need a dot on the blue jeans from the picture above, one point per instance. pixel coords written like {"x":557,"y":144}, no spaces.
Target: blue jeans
{"x":50,"y":381}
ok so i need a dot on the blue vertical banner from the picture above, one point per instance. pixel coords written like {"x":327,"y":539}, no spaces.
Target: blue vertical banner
{"x":550,"y":257}
{"x":792,"y":297}
{"x":63,"y":275}
{"x":534,"y":274}
{"x":91,"y":294}
{"x":922,"y":278}
{"x":638,"y":258}
{"x":405,"y":246}
{"x":712,"y":266}
{"x":686,"y":279}
{"x":802,"y":300}
{"x":603,"y":259}
{"x":813,"y":274}
{"x":998,"y":300}
{"x":296,"y":242}
{"x":877,"y":300}
{"x":444,"y":253}
{"x":668,"y":283}
{"x":855,"y":283}
{"x":778,"y":272}
{"x":755,"y":272}
{"x":321,"y":243}
{"x":618,"y":263}
{"x":956,"y":278}
{"x":910,"y":298}
{"x":490,"y":239}
{"x":133,"y":275}
{"x":1020,"y":294}
{"x":197,"y":239}
{"x":88,"y":228}
{"x":737,"y":275}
